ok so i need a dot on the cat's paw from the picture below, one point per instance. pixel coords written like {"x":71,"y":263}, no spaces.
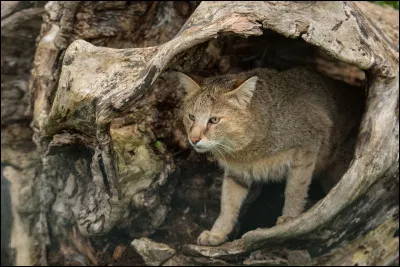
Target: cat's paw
{"x":283,"y":219}
{"x":208,"y":238}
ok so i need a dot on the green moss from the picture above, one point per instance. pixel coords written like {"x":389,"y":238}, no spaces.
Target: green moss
{"x":394,"y":4}
{"x":76,"y":115}
{"x":160,"y":146}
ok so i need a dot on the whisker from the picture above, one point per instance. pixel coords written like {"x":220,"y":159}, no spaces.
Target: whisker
{"x":225,"y":148}
{"x":212,"y":152}
{"x":216,"y":149}
{"x":224,"y":145}
{"x":228,"y":147}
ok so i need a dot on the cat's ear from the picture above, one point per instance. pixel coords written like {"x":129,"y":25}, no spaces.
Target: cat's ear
{"x":188,"y":83}
{"x":244,"y":91}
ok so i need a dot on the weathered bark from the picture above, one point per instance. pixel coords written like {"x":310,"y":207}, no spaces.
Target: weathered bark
{"x":113,"y":153}
{"x":20,"y":25}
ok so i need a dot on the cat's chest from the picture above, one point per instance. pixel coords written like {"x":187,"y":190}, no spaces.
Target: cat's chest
{"x":271,"y":168}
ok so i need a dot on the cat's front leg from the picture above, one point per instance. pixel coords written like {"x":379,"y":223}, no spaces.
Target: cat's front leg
{"x":232,"y":197}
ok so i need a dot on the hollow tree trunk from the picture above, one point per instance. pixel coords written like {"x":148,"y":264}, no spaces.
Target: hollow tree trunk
{"x":111,"y":163}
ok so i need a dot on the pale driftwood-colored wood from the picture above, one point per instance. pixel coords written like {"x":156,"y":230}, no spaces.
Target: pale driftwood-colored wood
{"x":83,"y":92}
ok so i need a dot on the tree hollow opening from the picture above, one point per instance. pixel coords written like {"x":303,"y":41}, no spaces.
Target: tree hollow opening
{"x":197,"y":198}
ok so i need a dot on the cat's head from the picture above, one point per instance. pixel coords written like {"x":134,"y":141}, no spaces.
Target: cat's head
{"x":216,"y":112}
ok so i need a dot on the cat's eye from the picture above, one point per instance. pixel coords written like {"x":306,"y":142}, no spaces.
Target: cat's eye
{"x":191,"y":117}
{"x":214,"y":120}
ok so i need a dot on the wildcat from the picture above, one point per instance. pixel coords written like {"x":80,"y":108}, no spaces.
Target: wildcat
{"x":267,"y":125}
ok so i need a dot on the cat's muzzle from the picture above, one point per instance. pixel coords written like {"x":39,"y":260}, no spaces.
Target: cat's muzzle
{"x":200,"y":147}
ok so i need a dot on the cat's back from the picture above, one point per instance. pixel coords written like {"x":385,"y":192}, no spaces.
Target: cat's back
{"x":293,"y":84}
{"x":291,"y":95}
{"x":292,"y":107}
{"x":301,"y":89}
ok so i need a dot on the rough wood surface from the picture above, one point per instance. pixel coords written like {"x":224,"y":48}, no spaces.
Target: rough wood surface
{"x":104,"y":110}
{"x":20,"y":25}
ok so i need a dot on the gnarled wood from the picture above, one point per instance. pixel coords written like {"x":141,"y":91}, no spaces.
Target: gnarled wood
{"x":98,"y":80}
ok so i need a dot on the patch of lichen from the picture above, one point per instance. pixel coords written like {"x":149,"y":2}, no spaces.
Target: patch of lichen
{"x":380,"y":238}
{"x":137,"y":162}
{"x":373,"y":249}
{"x":75,"y":114}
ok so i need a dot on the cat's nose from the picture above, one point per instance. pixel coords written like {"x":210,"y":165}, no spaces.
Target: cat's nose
{"x":194,"y":140}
